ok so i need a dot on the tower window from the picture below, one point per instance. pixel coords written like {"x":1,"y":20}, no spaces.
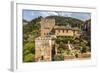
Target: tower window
{"x":41,"y":57}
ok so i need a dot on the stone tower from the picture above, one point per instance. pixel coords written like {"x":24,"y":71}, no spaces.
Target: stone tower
{"x":43,"y":47}
{"x":43,"y":43}
{"x":46,"y":25}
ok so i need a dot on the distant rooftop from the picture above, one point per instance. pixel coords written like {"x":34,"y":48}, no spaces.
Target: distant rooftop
{"x":66,"y":27}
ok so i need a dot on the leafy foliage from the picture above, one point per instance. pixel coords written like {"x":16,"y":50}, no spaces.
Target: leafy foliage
{"x":28,"y":52}
{"x":30,"y":31}
{"x":29,"y":58}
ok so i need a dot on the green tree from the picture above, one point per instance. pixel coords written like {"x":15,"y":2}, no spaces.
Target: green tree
{"x":28,"y":52}
{"x":29,"y":58}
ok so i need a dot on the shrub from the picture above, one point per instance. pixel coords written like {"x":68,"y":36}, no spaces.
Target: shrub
{"x":29,"y":58}
{"x":58,"y":58}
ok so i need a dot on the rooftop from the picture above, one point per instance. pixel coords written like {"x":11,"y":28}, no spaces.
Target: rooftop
{"x":66,"y":27}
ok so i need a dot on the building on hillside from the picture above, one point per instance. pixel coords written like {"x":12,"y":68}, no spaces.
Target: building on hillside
{"x":46,"y":25}
{"x":66,"y":31}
